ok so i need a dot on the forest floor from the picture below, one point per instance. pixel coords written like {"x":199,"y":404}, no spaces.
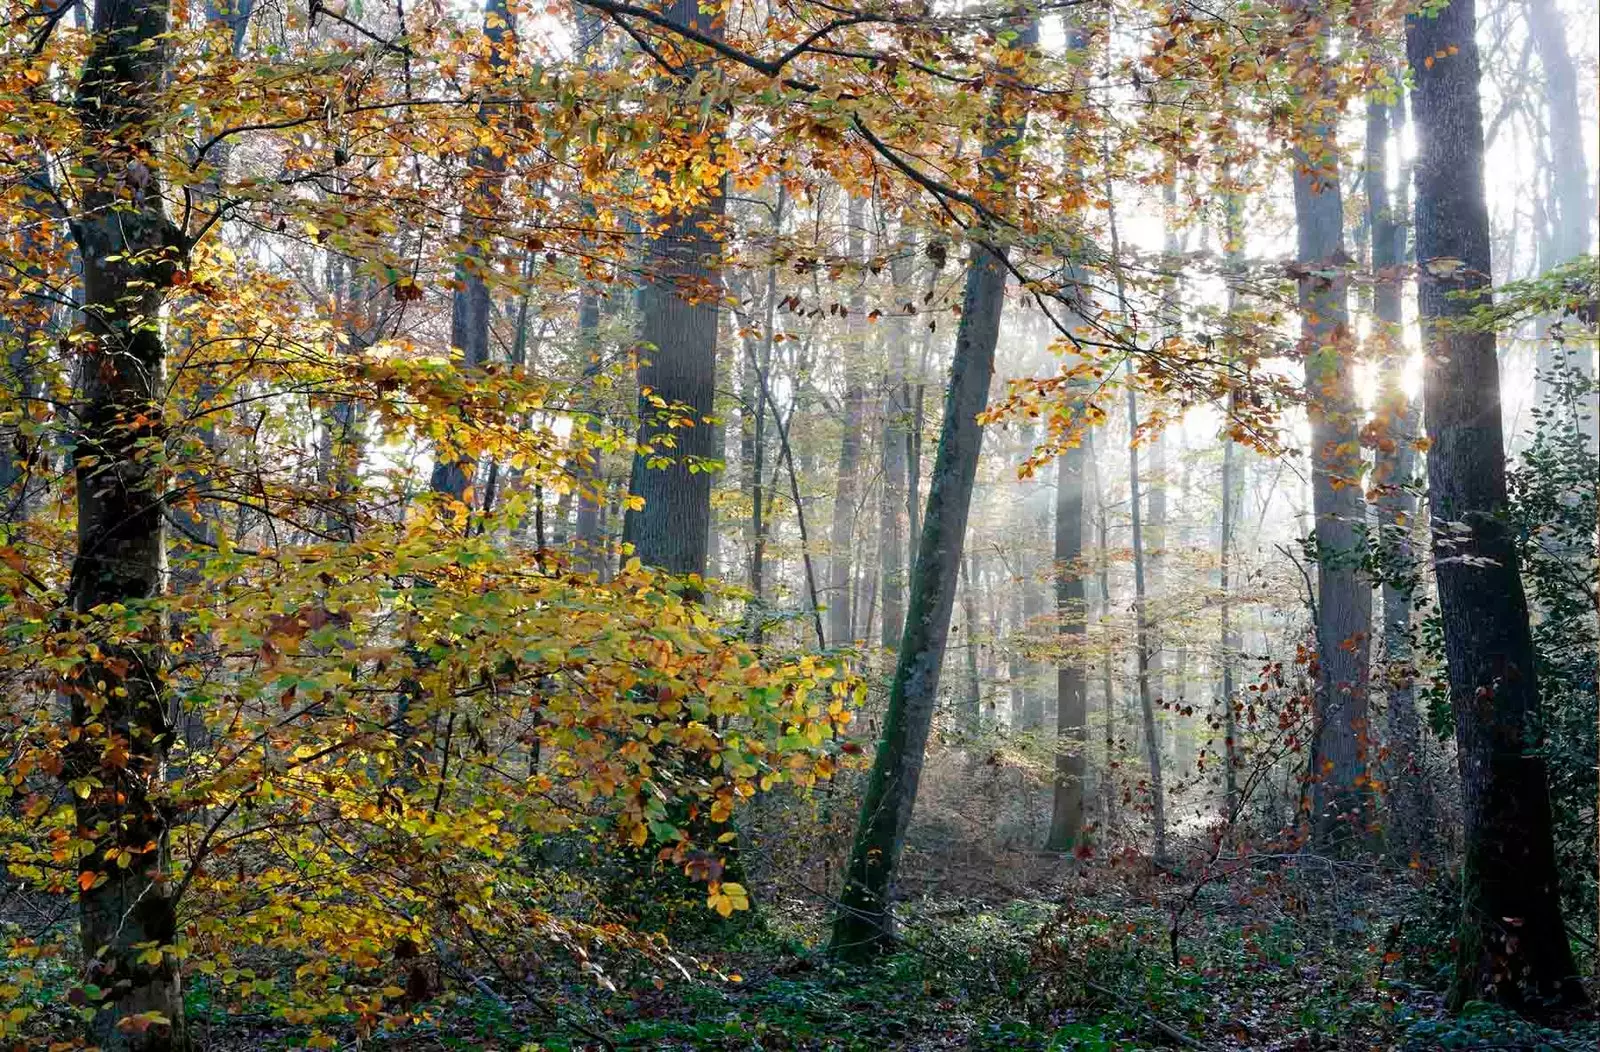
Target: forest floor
{"x":1089,"y":962}
{"x":1027,"y":952}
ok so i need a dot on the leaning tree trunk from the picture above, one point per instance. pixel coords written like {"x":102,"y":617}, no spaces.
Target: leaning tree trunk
{"x":864,"y":925}
{"x":1066,"y":818}
{"x":1513,"y":947}
{"x":130,"y":252}
{"x":1344,"y":598}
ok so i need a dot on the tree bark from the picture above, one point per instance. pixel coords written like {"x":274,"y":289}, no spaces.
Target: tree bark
{"x":678,"y":316}
{"x":896,"y":451}
{"x":841,"y":541}
{"x":1066,"y":819}
{"x":1393,"y":477}
{"x":1513,"y":948}
{"x":131,"y":252}
{"x":1339,"y":800}
{"x":863,"y":925}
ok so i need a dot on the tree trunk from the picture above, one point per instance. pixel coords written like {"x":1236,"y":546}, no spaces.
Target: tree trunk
{"x":1141,"y":613}
{"x":470,"y":306}
{"x":863,"y":925}
{"x":1571,"y":208}
{"x":1066,"y":819}
{"x":1108,"y":685}
{"x":1344,"y":598}
{"x":841,"y":541}
{"x":896,"y":453}
{"x":972,"y":714}
{"x":1142,"y":646}
{"x":678,"y":315}
{"x":1393,"y":475}
{"x":1513,"y":947}
{"x":131,"y":252}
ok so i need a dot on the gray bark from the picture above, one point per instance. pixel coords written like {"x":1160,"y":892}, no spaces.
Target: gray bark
{"x":1393,"y":478}
{"x":1071,"y":766}
{"x":841,"y":540}
{"x":678,"y":313}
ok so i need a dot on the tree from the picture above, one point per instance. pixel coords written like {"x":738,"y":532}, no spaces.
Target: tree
{"x":841,"y":540}
{"x":678,"y":318}
{"x":864,"y":924}
{"x":131,"y":253}
{"x":1071,"y":761}
{"x":1513,"y":947}
{"x":1344,"y":599}
{"x":1395,"y":434}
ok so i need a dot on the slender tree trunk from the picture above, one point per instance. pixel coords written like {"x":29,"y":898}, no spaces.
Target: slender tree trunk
{"x":1108,"y":684}
{"x":896,"y":453}
{"x":1571,"y":205}
{"x":1339,"y":800}
{"x":1394,"y":468}
{"x":1143,"y":645}
{"x":972,"y":715}
{"x":863,"y":925}
{"x":1066,"y":819}
{"x":130,"y":252}
{"x":1513,"y":947}
{"x":1141,"y":613}
{"x":841,"y":541}
{"x":470,"y":306}
{"x":678,"y":317}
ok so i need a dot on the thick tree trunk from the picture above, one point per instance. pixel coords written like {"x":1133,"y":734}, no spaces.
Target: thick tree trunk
{"x":678,"y":314}
{"x":130,"y":252}
{"x":863,"y":925}
{"x":1513,"y":946}
{"x":1066,"y":819}
{"x":1344,"y":598}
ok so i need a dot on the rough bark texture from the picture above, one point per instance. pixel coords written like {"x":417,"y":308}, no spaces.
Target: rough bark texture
{"x":864,"y":924}
{"x":130,"y":252}
{"x":1066,"y":818}
{"x":1513,"y":947}
{"x":678,"y":308}
{"x":1344,"y":597}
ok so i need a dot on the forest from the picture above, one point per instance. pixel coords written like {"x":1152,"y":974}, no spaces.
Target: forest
{"x":826,"y":525}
